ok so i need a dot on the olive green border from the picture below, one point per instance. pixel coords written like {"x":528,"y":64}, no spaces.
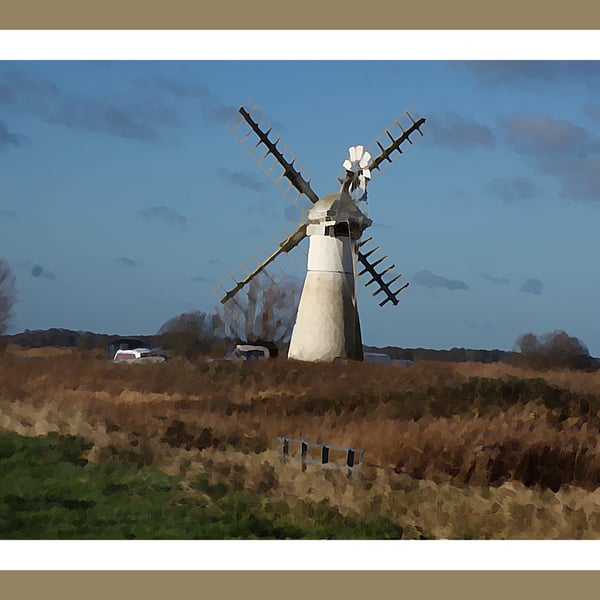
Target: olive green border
{"x":308,"y":14}
{"x":291,"y":585}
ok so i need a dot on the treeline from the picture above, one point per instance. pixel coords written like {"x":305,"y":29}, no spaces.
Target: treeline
{"x":193,"y":335}
{"x":41,"y":338}
{"x":453,"y":355}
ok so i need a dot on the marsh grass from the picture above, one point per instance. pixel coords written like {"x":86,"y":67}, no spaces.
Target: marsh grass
{"x":452,"y":450}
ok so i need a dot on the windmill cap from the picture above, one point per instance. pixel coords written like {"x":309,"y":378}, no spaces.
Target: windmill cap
{"x":338,"y":208}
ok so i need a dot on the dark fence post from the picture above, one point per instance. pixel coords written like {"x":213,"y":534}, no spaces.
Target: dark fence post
{"x":324,"y":455}
{"x":350,"y":461}
{"x":286,"y":449}
{"x":304,"y":447}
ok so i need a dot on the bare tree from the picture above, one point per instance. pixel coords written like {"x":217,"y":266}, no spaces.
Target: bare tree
{"x":556,"y":349}
{"x":192,"y":333}
{"x":264,"y":312}
{"x":7,"y":295}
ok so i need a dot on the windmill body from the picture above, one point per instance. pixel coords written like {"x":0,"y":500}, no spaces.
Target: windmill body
{"x":327,"y":323}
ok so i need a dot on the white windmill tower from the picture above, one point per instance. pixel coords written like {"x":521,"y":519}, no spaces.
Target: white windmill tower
{"x":327,"y":324}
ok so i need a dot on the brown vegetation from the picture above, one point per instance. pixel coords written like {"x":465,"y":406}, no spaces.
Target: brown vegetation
{"x":514,"y":448}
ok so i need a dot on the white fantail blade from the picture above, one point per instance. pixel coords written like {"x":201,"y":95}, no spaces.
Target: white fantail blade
{"x":366,"y":173}
{"x":347,"y":165}
{"x":365,"y":160}
{"x":352,"y":151}
{"x":359,"y":152}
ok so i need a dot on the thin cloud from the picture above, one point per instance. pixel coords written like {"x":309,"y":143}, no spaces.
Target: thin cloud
{"x":8,"y":214}
{"x":134,"y":121}
{"x":125,"y":261}
{"x":9,"y":139}
{"x":431,"y":280}
{"x":198,"y":279}
{"x":213,"y":109}
{"x":526,"y":74}
{"x":39,"y":271}
{"x":454,"y":131}
{"x":215,"y":261}
{"x":580,"y":179}
{"x":164,"y":214}
{"x":592,"y":111}
{"x":513,"y":189}
{"x":543,"y":137}
{"x":243,"y":180}
{"x":25,"y":93}
{"x":495,"y":280}
{"x":532,"y":286}
{"x":131,"y":113}
{"x":561,"y":150}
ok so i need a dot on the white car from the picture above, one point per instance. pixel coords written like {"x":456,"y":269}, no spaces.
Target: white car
{"x":244,"y":352}
{"x":138,"y":355}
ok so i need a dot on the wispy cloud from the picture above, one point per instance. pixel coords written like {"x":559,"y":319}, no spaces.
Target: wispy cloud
{"x":26,"y":93}
{"x":541,"y":136}
{"x":526,"y":74}
{"x":512,"y":189}
{"x":455,"y":131}
{"x":164,"y":214}
{"x":39,"y":271}
{"x":213,"y":109}
{"x":130,"y":112}
{"x":495,"y":280}
{"x":580,"y":178}
{"x":131,"y":119}
{"x":8,"y":214}
{"x":559,"y":149}
{"x":244,"y":180}
{"x":198,"y":279}
{"x":431,"y":280}
{"x":532,"y":286}
{"x":125,"y":261}
{"x":9,"y":139}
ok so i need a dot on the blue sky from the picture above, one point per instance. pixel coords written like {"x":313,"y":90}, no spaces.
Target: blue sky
{"x":124,"y":200}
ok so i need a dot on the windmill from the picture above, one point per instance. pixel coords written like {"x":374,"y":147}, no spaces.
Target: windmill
{"x":327,"y":323}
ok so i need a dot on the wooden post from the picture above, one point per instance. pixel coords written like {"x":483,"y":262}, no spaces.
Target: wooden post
{"x":285,"y":452}
{"x":350,"y":461}
{"x":304,"y":453}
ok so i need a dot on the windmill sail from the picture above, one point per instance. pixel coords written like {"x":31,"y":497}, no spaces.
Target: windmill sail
{"x":392,"y":140}
{"x":384,"y":149}
{"x":285,"y":246}
{"x":377,"y":275}
{"x":257,"y":136}
{"x":391,"y":143}
{"x":250,"y":124}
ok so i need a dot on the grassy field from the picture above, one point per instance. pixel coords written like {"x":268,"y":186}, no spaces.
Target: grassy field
{"x":187,"y":450}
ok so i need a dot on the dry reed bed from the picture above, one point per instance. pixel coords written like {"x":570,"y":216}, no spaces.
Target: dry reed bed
{"x":462,"y":423}
{"x":452,"y":450}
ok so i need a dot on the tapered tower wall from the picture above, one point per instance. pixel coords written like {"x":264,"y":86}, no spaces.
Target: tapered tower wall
{"x":327,"y":324}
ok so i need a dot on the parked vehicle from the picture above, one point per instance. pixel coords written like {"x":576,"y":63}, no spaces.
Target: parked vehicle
{"x":125,"y":343}
{"x":139,"y":355}
{"x":250,"y":352}
{"x":377,"y":357}
{"x":245,"y":352}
